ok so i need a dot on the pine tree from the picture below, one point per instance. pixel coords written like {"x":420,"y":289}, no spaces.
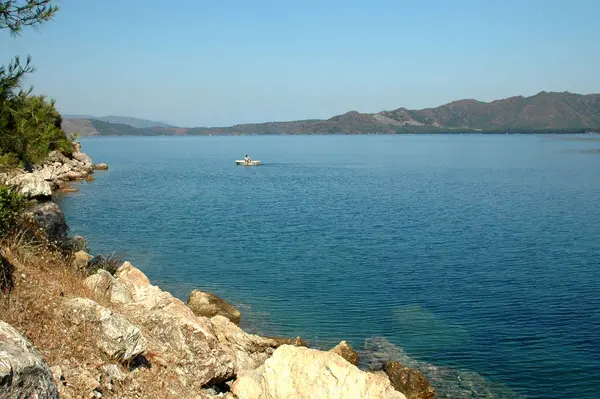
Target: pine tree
{"x":29,"y":125}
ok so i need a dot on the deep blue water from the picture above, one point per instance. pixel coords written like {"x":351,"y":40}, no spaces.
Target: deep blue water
{"x":480,"y":253}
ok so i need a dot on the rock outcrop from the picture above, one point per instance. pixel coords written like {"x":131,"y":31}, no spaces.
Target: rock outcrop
{"x":23,"y":372}
{"x":203,"y":350}
{"x":412,"y":383}
{"x":40,"y":181}
{"x":117,"y":337}
{"x":104,"y":286}
{"x":296,"y":372}
{"x":345,"y":350}
{"x":179,"y":338}
{"x":101,"y":166}
{"x":31,"y":186}
{"x":209,"y":305}
{"x":49,"y":217}
{"x":298,"y":341}
{"x":248,"y":350}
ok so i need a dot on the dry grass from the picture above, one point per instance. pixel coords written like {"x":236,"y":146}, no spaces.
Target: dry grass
{"x":43,"y":278}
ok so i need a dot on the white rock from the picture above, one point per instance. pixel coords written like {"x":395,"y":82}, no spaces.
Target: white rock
{"x":47,"y":173}
{"x":82,"y":157}
{"x":249,"y":350}
{"x":104,"y":285}
{"x":31,"y":185}
{"x":297,"y":372}
{"x":118,"y":338}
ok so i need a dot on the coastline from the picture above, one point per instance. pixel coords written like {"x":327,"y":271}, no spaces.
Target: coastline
{"x":138,"y":328}
{"x":452,"y":133}
{"x":372,"y":357}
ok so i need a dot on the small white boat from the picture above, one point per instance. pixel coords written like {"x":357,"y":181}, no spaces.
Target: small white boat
{"x":244,"y":163}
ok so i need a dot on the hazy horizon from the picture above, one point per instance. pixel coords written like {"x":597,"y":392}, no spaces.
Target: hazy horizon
{"x":229,"y":63}
{"x":89,"y":116}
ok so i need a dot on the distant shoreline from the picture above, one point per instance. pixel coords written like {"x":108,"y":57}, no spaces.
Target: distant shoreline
{"x":558,"y":133}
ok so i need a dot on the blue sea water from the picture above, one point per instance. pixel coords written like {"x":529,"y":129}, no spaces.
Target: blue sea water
{"x":476,"y":257}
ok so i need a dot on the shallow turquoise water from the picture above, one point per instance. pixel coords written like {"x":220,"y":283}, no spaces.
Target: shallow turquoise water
{"x":479,"y":253}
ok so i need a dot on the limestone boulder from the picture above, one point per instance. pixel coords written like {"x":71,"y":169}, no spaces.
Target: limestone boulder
{"x":62,"y":170}
{"x":179,"y":338}
{"x":209,"y":305}
{"x":101,"y":166}
{"x":297,"y":372}
{"x":248,"y":350}
{"x":205,"y":351}
{"x":104,"y":286}
{"x":82,"y":157}
{"x":412,"y":383}
{"x":31,"y":186}
{"x":345,"y":350}
{"x":23,"y":372}
{"x":47,"y":173}
{"x":74,"y":175}
{"x":116,"y":336}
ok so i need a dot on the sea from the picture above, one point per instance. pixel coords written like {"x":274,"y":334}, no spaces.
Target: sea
{"x":474,"y":258}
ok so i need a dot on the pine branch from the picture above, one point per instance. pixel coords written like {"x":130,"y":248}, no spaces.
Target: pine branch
{"x":16,"y":14}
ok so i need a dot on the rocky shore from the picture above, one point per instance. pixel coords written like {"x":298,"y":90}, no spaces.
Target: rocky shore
{"x":40,"y":182}
{"x":75,"y":326}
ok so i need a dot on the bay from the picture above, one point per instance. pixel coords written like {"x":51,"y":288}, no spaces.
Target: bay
{"x":474,"y":253}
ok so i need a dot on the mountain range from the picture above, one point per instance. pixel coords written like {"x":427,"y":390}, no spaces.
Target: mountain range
{"x":125,"y":120}
{"x":545,"y":112}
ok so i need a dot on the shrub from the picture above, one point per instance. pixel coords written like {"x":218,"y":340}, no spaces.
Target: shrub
{"x":9,"y":160}
{"x":110,"y":263}
{"x":11,"y":206}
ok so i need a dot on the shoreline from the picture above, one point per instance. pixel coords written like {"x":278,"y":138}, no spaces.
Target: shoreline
{"x":457,"y":133}
{"x":139,"y":326}
{"x":445,"y":379}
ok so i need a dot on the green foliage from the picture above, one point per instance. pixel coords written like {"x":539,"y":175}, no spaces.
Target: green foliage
{"x":29,"y":125}
{"x":30,"y":129}
{"x":8,"y":160}
{"x":11,"y":76}
{"x":11,"y":206}
{"x":15,"y":14}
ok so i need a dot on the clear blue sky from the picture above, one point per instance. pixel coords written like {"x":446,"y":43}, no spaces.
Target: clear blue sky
{"x":221,"y":62}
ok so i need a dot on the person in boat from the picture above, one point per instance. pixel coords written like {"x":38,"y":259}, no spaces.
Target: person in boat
{"x":247,"y":159}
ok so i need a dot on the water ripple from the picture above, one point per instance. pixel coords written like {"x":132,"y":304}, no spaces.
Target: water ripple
{"x":477,"y":254}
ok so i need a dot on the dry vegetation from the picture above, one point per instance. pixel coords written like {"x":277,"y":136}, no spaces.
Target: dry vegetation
{"x":42,"y":278}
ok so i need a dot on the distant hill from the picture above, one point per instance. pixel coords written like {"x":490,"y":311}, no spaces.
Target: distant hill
{"x":542,"y":113}
{"x":123,"y":120}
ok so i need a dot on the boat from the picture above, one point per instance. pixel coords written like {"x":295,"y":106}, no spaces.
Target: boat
{"x":244,"y":163}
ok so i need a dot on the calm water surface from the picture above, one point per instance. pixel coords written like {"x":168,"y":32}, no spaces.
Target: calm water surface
{"x":477,"y":254}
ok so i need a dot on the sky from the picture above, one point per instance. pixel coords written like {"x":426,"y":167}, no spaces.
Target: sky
{"x":223,"y":62}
